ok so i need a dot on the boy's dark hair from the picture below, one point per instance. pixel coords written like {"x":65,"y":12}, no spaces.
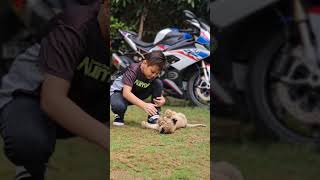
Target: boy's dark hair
{"x":156,"y":58}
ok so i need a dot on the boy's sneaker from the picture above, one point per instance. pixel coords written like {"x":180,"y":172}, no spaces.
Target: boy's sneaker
{"x":22,"y":174}
{"x":153,"y":119}
{"x":118,"y":121}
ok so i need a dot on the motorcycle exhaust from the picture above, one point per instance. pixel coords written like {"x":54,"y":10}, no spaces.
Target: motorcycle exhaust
{"x":173,"y":86}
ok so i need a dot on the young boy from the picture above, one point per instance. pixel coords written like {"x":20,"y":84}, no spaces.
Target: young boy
{"x":139,"y":81}
{"x":57,"y":91}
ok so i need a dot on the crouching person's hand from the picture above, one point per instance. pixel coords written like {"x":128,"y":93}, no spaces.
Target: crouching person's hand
{"x":150,"y":108}
{"x":159,"y":101}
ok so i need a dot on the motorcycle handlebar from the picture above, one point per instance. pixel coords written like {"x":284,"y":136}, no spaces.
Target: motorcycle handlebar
{"x":186,"y":30}
{"x":191,"y":31}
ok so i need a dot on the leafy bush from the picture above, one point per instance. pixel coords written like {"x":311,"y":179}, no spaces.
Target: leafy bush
{"x":116,"y":24}
{"x":158,"y":14}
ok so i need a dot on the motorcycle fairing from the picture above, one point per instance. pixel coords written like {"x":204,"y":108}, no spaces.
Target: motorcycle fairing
{"x":204,"y":38}
{"x":187,"y":57}
{"x":161,"y":34}
{"x":170,"y":36}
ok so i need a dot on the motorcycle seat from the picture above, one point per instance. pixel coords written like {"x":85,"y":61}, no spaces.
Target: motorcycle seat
{"x":141,"y":43}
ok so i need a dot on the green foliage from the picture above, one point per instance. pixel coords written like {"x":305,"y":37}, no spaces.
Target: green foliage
{"x":115,"y":25}
{"x":159,"y":13}
{"x":118,"y":24}
{"x":117,"y":4}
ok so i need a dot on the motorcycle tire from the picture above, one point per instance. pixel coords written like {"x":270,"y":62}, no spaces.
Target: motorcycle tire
{"x":259,"y":97}
{"x":191,"y":93}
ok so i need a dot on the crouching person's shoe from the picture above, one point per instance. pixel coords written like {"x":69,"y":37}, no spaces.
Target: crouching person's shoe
{"x":118,"y":121}
{"x":153,"y":119}
{"x":22,"y":174}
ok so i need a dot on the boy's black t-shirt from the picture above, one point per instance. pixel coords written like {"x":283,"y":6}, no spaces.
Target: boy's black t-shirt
{"x":133,"y":77}
{"x":76,"y":51}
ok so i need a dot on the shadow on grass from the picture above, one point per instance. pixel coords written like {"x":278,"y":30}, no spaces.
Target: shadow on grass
{"x":133,"y":124}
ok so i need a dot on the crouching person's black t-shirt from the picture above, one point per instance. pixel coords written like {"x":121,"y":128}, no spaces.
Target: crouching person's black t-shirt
{"x":76,"y":51}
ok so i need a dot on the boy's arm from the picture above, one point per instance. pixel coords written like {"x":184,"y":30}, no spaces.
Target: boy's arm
{"x":55,"y":102}
{"x":148,"y":107}
{"x":127,"y":94}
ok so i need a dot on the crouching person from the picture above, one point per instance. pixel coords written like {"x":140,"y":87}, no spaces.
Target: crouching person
{"x":135,"y":84}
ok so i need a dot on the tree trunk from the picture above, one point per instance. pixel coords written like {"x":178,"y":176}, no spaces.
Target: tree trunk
{"x":142,"y":19}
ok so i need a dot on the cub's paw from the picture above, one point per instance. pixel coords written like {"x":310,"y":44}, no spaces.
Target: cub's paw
{"x":144,"y":124}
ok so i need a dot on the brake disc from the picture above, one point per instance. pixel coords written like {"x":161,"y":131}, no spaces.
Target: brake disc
{"x":297,"y":91}
{"x":203,"y":90}
{"x":304,"y":108}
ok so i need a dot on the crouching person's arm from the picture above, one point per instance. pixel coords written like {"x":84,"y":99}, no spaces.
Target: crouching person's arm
{"x":147,"y":107}
{"x":55,"y":102}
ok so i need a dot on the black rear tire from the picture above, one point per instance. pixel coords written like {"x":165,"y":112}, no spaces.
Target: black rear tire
{"x":260,"y":98}
{"x":191,"y":92}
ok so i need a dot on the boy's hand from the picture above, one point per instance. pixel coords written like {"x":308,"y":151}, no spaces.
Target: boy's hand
{"x":159,"y":101}
{"x":150,"y":108}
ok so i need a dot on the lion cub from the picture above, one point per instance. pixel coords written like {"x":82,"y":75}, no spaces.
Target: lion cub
{"x":169,"y":122}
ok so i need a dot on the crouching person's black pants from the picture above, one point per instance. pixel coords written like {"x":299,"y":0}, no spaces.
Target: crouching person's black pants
{"x":29,"y":135}
{"x":119,"y":104}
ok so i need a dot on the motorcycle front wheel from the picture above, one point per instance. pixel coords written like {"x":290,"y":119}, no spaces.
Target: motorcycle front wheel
{"x":198,"y":90}
{"x":284,"y":107}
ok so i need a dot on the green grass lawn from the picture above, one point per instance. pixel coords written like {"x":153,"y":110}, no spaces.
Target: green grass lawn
{"x":73,"y":159}
{"x":272,"y":161}
{"x":262,"y":159}
{"x":138,"y":153}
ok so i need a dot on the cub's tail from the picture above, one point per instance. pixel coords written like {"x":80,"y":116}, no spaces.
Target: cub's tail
{"x":196,"y":125}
